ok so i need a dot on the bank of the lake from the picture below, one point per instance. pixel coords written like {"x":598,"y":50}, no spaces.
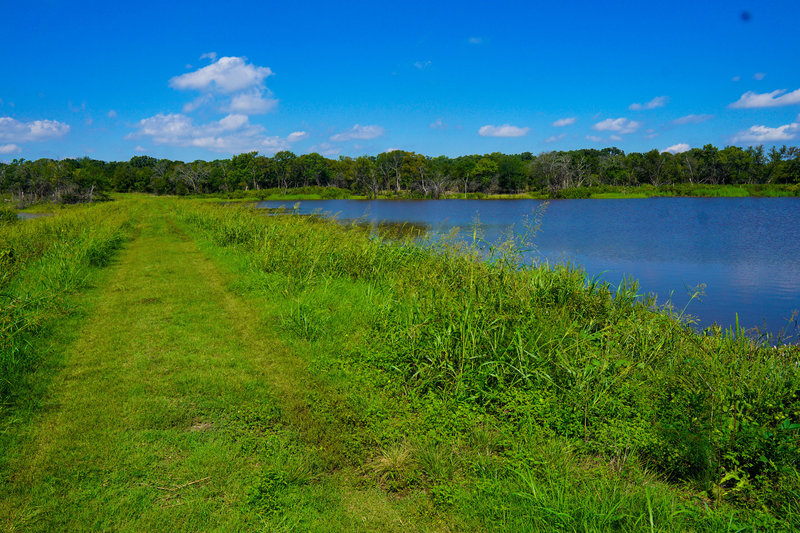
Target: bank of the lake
{"x":592,"y":192}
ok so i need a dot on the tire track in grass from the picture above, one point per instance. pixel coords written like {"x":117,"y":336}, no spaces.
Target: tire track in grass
{"x":176,"y":411}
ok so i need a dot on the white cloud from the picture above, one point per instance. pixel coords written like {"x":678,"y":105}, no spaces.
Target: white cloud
{"x":555,"y":138}
{"x":619,"y":125}
{"x":422,"y":65}
{"x":560,"y":123}
{"x":297,"y":136}
{"x":764,"y":134}
{"x":227,"y":75}
{"x":759,"y":76}
{"x":438,"y":125}
{"x":736,"y":78}
{"x":359,"y":132}
{"x":252,"y":103}
{"x":677,"y":148}
{"x":506,"y":130}
{"x":615,"y":138}
{"x":9,"y":149}
{"x":325,"y":149}
{"x":692,"y":119}
{"x":594,"y":138}
{"x":198,"y":102}
{"x":475,"y":40}
{"x":649,"y":134}
{"x":231,"y":134}
{"x":140,"y":149}
{"x":658,"y":101}
{"x":111,"y":114}
{"x":209,"y":55}
{"x":12,"y":130}
{"x":752,"y":99}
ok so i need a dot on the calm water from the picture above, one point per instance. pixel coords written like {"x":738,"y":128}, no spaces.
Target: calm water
{"x":745,"y":250}
{"x":28,"y":216}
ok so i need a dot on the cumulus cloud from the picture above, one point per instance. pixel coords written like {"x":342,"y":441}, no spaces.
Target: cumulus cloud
{"x":677,"y":148}
{"x":764,"y":134}
{"x":297,"y":136}
{"x":555,"y":138}
{"x":776,"y":98}
{"x":9,"y":149}
{"x":197,"y":103}
{"x":560,"y":123}
{"x":594,"y":138}
{"x":506,"y":130}
{"x":618,"y":125}
{"x":658,"y":101}
{"x":209,"y":55}
{"x":692,"y":119}
{"x":252,"y":103}
{"x":111,"y":114}
{"x":226,"y":75}
{"x":232,"y":134}
{"x":15,"y":131}
{"x":358,"y":132}
{"x":325,"y":149}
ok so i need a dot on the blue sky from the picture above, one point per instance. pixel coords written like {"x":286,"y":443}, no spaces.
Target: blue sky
{"x":204,"y":80}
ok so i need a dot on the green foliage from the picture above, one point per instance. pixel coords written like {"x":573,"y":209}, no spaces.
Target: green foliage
{"x":7,"y":216}
{"x":706,"y":171}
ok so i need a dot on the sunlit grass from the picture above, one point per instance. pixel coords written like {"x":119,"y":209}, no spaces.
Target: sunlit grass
{"x":542,"y":348}
{"x":231,"y":370}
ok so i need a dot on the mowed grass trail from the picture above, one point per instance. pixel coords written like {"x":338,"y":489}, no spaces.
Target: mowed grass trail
{"x":177,"y":409}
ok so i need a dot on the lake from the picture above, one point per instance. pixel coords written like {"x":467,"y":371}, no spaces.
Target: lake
{"x":29,"y":216}
{"x":746,"y":251}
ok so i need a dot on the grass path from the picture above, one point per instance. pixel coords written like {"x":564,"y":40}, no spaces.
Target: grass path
{"x":177,"y":410}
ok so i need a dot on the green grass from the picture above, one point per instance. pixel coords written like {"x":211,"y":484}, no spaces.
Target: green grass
{"x":682,"y":189}
{"x":225,"y":370}
{"x":618,"y":195}
{"x":537,"y":355}
{"x":175,"y":407}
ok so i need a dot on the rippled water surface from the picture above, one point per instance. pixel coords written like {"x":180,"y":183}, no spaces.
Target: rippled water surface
{"x":745,"y":250}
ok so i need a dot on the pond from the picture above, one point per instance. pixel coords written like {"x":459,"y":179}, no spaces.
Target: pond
{"x":745,"y":251}
{"x":29,"y":216}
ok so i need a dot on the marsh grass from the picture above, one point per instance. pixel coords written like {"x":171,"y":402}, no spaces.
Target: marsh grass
{"x":549,"y":358}
{"x":42,"y":261}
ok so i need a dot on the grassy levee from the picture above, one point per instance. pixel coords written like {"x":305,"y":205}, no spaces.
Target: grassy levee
{"x":42,"y":262}
{"x":233,"y":371}
{"x":174,"y":407}
{"x":525,"y":397}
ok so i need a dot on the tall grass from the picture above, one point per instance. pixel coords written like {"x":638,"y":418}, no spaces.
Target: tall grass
{"x":542,"y":347}
{"x":41,"y":261}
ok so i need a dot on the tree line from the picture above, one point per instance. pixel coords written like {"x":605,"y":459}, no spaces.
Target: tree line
{"x":400,"y":172}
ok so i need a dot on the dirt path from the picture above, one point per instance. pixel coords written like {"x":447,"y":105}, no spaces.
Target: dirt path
{"x":177,"y":410}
